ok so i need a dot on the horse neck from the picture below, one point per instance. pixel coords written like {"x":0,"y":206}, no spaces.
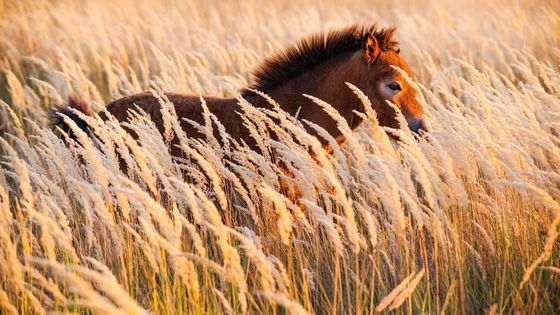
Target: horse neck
{"x":325,"y":81}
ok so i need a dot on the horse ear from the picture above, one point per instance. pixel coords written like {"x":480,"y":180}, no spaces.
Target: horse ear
{"x":372,"y":50}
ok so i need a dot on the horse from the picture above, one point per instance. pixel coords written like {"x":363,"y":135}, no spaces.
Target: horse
{"x":320,"y":66}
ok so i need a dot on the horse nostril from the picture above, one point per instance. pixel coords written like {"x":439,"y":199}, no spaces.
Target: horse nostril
{"x":418,"y":124}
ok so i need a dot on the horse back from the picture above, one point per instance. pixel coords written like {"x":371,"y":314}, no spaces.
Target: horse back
{"x":187,"y":107}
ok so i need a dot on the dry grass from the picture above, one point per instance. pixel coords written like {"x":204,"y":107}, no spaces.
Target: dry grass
{"x":466,"y":222}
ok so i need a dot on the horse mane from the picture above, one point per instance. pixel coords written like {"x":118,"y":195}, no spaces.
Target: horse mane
{"x":307,"y":53}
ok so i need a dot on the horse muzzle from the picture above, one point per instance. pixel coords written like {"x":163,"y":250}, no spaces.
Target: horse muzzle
{"x":418,"y":124}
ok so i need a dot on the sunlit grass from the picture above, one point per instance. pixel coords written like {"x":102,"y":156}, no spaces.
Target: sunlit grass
{"x":464,"y":221}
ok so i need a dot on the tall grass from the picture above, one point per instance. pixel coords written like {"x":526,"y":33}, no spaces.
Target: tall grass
{"x":464,"y":221}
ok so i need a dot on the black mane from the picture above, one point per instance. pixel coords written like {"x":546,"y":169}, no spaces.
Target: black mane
{"x":306,"y":54}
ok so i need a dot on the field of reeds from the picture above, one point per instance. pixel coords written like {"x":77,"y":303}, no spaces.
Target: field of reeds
{"x":463,"y":221}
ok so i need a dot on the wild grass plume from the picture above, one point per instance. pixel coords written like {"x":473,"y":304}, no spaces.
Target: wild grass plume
{"x":464,"y":220}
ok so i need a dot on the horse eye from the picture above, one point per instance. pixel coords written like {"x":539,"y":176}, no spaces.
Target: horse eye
{"x":394,"y":86}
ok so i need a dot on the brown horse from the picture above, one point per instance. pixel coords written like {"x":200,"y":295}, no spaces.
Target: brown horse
{"x":318,"y":66}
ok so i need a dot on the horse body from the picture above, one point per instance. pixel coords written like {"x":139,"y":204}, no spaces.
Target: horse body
{"x":227,"y":110}
{"x":289,"y":96}
{"x":319,"y":66}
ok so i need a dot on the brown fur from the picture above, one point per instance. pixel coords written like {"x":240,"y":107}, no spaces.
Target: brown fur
{"x":318,"y":66}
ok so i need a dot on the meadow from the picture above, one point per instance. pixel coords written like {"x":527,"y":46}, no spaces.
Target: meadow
{"x":465,"y":220}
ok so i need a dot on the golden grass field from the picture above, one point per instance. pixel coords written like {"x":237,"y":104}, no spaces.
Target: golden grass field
{"x":465,"y":221}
